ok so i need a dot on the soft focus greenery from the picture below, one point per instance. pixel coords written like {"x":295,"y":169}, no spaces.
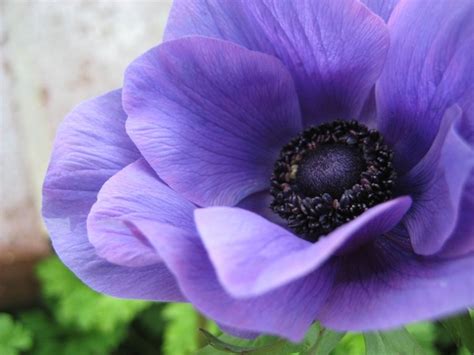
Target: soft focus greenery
{"x":74,"y":320}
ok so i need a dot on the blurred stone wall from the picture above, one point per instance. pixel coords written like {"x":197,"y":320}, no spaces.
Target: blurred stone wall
{"x":53,"y":55}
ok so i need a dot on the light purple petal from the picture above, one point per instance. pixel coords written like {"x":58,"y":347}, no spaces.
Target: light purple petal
{"x":287,"y":312}
{"x":383,"y":8}
{"x":437,"y":185}
{"x":428,"y":69}
{"x":134,"y":192}
{"x":386,"y":285}
{"x":210,"y":116}
{"x":252,"y":256}
{"x":91,"y":145}
{"x":334,"y":49}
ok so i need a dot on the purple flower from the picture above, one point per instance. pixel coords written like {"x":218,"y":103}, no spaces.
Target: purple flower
{"x":279,"y":162}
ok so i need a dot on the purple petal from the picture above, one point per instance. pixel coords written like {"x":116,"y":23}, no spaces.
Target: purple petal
{"x":383,"y":8}
{"x":428,"y":69}
{"x":334,"y":49}
{"x":461,"y":241}
{"x":134,"y":192}
{"x":437,"y":184}
{"x":288,"y":311}
{"x":210,"y":116}
{"x":252,"y":256}
{"x":91,"y":146}
{"x":238,"y":333}
{"x":386,"y":285}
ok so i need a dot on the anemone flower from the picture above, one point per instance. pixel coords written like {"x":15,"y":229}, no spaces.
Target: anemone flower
{"x":280,"y":162}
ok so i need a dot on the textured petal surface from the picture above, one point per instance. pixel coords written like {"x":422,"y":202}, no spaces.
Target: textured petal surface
{"x":210,"y":116}
{"x":288,"y":311}
{"x":428,"y":68}
{"x":91,"y":146}
{"x":310,"y":37}
{"x":252,"y":256}
{"x":383,"y":8}
{"x":134,"y":192}
{"x":437,"y":185}
{"x":386,"y":285}
{"x":461,"y":240}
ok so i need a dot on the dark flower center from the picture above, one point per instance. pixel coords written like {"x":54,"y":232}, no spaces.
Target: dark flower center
{"x":329,"y":175}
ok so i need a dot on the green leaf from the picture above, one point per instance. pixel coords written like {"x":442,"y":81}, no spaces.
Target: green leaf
{"x":53,"y":338}
{"x":326,"y":342}
{"x":226,"y":344}
{"x":14,"y":337}
{"x":181,"y":333}
{"x":393,"y":342}
{"x":350,"y":344}
{"x":425,"y":333}
{"x":461,"y":330}
{"x":76,"y":305}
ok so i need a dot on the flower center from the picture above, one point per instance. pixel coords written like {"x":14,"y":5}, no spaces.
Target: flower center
{"x":330,"y":174}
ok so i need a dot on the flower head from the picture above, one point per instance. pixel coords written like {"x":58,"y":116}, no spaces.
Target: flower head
{"x":278,"y":162}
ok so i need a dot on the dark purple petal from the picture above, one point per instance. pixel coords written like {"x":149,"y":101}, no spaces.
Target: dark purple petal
{"x":210,"y":116}
{"x":252,"y":256}
{"x":461,"y":241}
{"x":91,"y":145}
{"x":383,"y":8}
{"x":287,"y":311}
{"x":334,"y":49}
{"x":436,"y":184}
{"x":428,"y":68}
{"x":134,"y":192}
{"x":386,"y":285}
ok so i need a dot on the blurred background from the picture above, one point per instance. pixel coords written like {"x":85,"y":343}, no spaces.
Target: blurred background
{"x":53,"y":55}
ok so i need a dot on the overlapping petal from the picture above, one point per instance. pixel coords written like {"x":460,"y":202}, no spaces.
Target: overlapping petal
{"x":210,"y":116}
{"x":334,"y":49}
{"x":287,"y":311}
{"x":134,"y":192}
{"x":437,"y":184}
{"x":461,"y":241}
{"x":428,"y":69}
{"x":91,"y":146}
{"x":387,"y":285}
{"x":383,"y":8}
{"x":252,"y":256}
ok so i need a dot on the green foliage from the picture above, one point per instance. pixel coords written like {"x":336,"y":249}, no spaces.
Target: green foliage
{"x":317,"y":341}
{"x":461,"y":330}
{"x":180,"y":334}
{"x":77,"y":320}
{"x":392,"y":342}
{"x":53,"y":338}
{"x":76,"y":305}
{"x":14,"y":337}
{"x":351,"y":343}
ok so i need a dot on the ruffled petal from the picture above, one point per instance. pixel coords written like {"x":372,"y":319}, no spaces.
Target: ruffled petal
{"x":210,"y":116}
{"x":386,"y":285}
{"x":134,"y":192}
{"x":287,"y":311}
{"x":91,"y":145}
{"x":252,"y":256}
{"x":437,"y":186}
{"x":428,"y":69}
{"x":461,"y":241}
{"x":383,"y":8}
{"x":334,"y":49}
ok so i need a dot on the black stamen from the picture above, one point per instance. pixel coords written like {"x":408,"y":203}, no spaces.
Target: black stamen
{"x":329,"y":175}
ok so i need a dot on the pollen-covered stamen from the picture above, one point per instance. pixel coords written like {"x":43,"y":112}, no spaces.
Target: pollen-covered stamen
{"x":329,"y":175}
